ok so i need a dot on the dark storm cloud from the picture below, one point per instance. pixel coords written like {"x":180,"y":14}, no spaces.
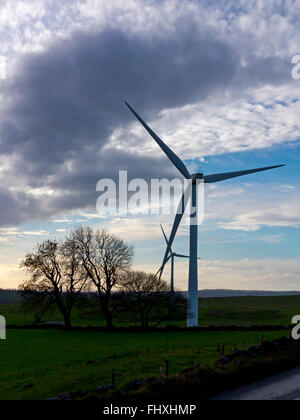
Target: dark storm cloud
{"x":64,"y":103}
{"x":15,"y":207}
{"x":267,"y":70}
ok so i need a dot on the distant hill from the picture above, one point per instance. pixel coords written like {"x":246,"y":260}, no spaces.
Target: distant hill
{"x":219,"y":293}
{"x":12,"y":296}
{"x":235,"y":293}
{"x":9,"y":296}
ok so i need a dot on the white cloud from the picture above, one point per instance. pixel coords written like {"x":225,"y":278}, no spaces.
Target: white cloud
{"x":137,"y":229}
{"x":283,"y":216}
{"x":13,"y":232}
{"x":91,"y":216}
{"x":34,"y":233}
{"x":254,"y":207}
{"x":288,"y":187}
{"x":272,"y":239}
{"x":262,"y":118}
{"x":9,"y":231}
{"x":63,"y":220}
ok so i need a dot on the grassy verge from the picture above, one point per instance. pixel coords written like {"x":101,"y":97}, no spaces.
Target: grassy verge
{"x":201,"y":383}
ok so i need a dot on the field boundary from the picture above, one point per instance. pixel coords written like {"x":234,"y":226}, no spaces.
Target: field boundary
{"x":196,"y":383}
{"x":152,"y":329}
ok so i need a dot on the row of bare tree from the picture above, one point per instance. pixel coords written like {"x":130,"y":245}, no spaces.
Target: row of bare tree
{"x":61,"y":272}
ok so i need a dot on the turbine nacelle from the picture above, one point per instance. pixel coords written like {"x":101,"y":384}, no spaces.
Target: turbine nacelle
{"x":195,"y":177}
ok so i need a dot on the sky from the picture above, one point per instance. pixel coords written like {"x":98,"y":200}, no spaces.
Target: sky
{"x":212,"y":78}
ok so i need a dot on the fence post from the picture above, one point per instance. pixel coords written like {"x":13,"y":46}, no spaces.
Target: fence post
{"x":223,"y":350}
{"x":167,"y":367}
{"x":113,"y":379}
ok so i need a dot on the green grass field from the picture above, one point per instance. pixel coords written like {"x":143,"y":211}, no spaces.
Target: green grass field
{"x":271,"y":310}
{"x":40,"y":364}
{"x":37,"y":364}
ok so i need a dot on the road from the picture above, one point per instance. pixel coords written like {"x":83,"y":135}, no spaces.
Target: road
{"x":284,"y":386}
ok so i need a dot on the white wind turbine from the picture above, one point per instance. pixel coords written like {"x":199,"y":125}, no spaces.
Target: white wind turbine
{"x":190,"y":194}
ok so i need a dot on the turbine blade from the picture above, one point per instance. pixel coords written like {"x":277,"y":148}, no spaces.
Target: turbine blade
{"x":161,"y":265}
{"x":164,"y":234}
{"x":228,"y":175}
{"x":181,"y":208}
{"x":181,"y":256}
{"x":170,"y":154}
{"x":185,"y":256}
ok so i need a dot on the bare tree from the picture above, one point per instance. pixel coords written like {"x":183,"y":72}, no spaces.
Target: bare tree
{"x":105,"y":258}
{"x":55,"y":275}
{"x":149,"y":297}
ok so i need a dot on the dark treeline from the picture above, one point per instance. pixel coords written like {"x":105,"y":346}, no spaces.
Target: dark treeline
{"x":91,"y":270}
{"x":9,"y":296}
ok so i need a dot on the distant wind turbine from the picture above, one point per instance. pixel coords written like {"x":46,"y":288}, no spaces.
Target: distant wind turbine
{"x":191,"y":193}
{"x":171,"y":257}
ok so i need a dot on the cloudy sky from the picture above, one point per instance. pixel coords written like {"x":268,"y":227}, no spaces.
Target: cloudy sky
{"x":213,"y":78}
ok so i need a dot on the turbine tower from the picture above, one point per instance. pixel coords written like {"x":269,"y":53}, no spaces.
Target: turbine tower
{"x":190,"y":194}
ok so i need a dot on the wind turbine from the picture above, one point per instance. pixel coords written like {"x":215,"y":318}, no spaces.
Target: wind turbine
{"x":172,"y":258}
{"x":190,"y":194}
